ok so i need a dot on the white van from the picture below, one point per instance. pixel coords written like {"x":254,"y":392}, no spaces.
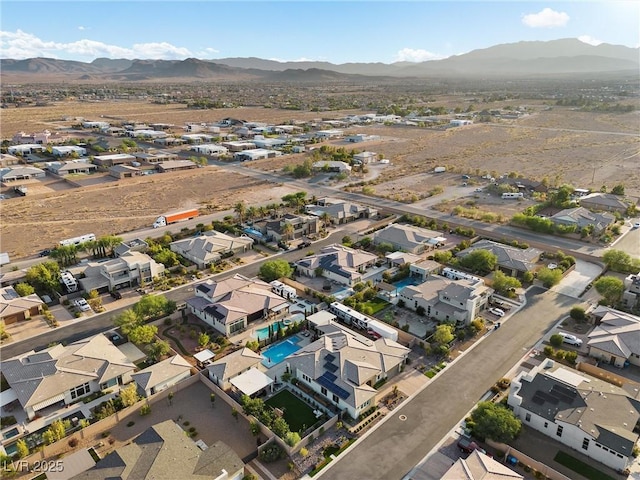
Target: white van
{"x":570,"y":339}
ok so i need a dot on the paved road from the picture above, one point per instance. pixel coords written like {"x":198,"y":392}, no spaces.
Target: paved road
{"x":396,"y":446}
{"x":104,"y":321}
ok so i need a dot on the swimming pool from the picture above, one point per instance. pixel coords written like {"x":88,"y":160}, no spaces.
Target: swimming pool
{"x":400,"y":284}
{"x":277,"y":352}
{"x":263,"y":333}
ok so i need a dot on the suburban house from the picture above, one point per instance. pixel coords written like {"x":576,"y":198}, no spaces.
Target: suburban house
{"x":239,"y":145}
{"x":42,"y":138}
{"x":447,"y":300}
{"x":580,"y":217}
{"x":223,"y":370}
{"x":303,"y":225}
{"x":64,"y":374}
{"x":604,"y":202}
{"x":631,"y":294}
{"x":135,"y":245}
{"x":230,"y":305}
{"x":337,"y":262}
{"x":66,"y":150}
{"x":408,"y":238}
{"x":399,"y":258}
{"x":364,"y":158}
{"x":340,"y":211}
{"x":255,"y":154}
{"x":130,"y":269}
{"x":344,"y":367}
{"x":14,"y":308}
{"x":124,"y":171}
{"x":20,"y":173}
{"x":616,"y":338}
{"x":478,"y":466}
{"x":113,"y":159}
{"x":209,"y":247}
{"x":25,"y":149}
{"x":513,"y":261}
{"x":155,"y":156}
{"x":327,"y":134}
{"x":209,"y":149}
{"x":161,"y":375}
{"x":594,"y":417}
{"x":361,"y":137}
{"x":524,"y":184}
{"x":68,"y":168}
{"x":164,"y":451}
{"x":423,"y":268}
{"x":175,"y":165}
{"x":332,"y":166}
{"x":268,"y":142}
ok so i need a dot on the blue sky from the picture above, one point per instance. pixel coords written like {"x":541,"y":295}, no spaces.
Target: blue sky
{"x":334,"y":31}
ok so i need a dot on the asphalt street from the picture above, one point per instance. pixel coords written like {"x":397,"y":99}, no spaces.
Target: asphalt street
{"x":392,"y":449}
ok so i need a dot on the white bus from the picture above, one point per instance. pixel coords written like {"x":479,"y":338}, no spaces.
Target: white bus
{"x":512,"y":195}
{"x":90,"y":237}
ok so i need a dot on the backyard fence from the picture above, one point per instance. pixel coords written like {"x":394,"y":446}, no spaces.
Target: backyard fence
{"x":527,"y":461}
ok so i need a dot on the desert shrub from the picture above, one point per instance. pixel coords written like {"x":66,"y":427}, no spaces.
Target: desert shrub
{"x":145,"y":410}
{"x":271,"y":453}
{"x":73,"y":442}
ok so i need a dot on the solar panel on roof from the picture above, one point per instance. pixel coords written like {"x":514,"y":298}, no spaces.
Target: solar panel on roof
{"x":330,"y":376}
{"x":329,"y":357}
{"x":331,"y":367}
{"x":537,"y":400}
{"x":332,"y":387}
{"x":565,"y":391}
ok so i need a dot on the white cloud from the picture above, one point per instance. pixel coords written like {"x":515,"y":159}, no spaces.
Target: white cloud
{"x":415,"y":55}
{"x":546,"y":18}
{"x":207,"y":51}
{"x":21,"y":45}
{"x":589,"y":40}
{"x":83,"y":28}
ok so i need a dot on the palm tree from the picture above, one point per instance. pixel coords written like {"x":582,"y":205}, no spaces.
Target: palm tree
{"x":252,"y":212}
{"x":240,"y":209}
{"x":326,"y":219}
{"x":287,"y":231}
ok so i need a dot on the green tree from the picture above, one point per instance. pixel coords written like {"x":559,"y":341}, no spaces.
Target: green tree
{"x":292,"y":438}
{"x":503,"y":283}
{"x":158,"y":349}
{"x":620,"y":261}
{"x":287,"y":231}
{"x":22,"y":449}
{"x":203,"y":340}
{"x":253,"y":345}
{"x":443,"y":334}
{"x":578,"y":313}
{"x":280,"y":427}
{"x":556,"y":340}
{"x":56,"y":431}
{"x":129,"y":395}
{"x":143,"y":334}
{"x":128,"y":320}
{"x":24,"y":289}
{"x":495,"y":421}
{"x":480,"y":260}
{"x":274,"y":269}
{"x":240,"y":209}
{"x":611,"y":288}
{"x":167,"y":257}
{"x":44,"y":277}
{"x":549,"y":277}
{"x":152,"y":306}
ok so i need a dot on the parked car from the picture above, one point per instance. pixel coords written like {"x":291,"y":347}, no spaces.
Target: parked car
{"x":497,"y":311}
{"x":82,"y":304}
{"x":304,"y":244}
{"x":636,"y":225}
{"x":467,"y":445}
{"x":45,"y":253}
{"x":570,"y":339}
{"x":116,"y":294}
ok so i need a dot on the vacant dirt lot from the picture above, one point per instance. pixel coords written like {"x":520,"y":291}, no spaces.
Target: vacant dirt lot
{"x":35,"y":222}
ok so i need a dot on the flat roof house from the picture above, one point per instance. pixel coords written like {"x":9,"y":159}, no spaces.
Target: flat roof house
{"x":340,"y":211}
{"x":175,"y":165}
{"x":365,"y":157}
{"x":408,"y":238}
{"x":66,"y":150}
{"x":332,"y":166}
{"x":239,"y":145}
{"x":594,"y":417}
{"x":68,"y":168}
{"x":343,"y":367}
{"x":14,"y":308}
{"x":64,"y":374}
{"x":113,"y":159}
{"x":511,"y":260}
{"x":223,"y":370}
{"x":616,"y":338}
{"x":124,"y":171}
{"x":209,"y":247}
{"x":155,"y":156}
{"x":339,"y":263}
{"x":256,"y":154}
{"x":209,"y":149}
{"x":447,"y":300}
{"x":231,"y":304}
{"x":130,"y":269}
{"x":163,"y":451}
{"x":25,"y":149}
{"x":303,"y":225}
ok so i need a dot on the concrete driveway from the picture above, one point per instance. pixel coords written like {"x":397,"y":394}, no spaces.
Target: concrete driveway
{"x":576,"y":281}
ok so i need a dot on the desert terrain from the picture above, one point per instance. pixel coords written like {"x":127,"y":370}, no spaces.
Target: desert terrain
{"x":585,"y":149}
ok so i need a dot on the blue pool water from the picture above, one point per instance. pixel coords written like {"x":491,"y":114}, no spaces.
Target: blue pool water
{"x":277,"y":352}
{"x":407,"y":281}
{"x":263,"y":333}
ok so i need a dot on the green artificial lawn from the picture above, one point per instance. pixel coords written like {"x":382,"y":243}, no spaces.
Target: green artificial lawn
{"x":376,"y":304}
{"x":582,"y":468}
{"x":296,"y":412}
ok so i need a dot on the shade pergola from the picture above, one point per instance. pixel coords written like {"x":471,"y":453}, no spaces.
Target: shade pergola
{"x":251,"y":381}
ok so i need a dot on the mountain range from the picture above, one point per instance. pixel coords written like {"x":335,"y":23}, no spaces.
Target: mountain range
{"x":537,"y":59}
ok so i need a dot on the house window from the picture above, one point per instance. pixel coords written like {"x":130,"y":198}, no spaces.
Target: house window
{"x":80,"y":390}
{"x":546,"y":424}
{"x":335,"y":398}
{"x":527,"y":417}
{"x":585,"y":443}
{"x":323,"y":391}
{"x":306,"y":378}
{"x":559,"y":430}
